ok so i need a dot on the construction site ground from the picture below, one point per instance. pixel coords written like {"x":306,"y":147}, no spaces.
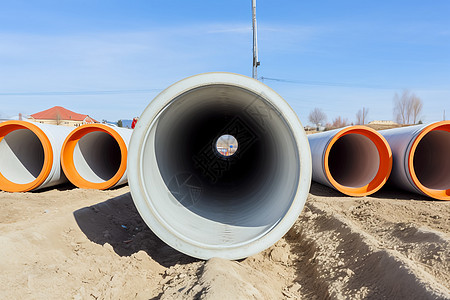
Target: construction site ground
{"x":69,"y":243}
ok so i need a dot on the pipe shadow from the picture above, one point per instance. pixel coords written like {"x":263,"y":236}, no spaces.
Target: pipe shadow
{"x":391,"y":192}
{"x":118,"y":223}
{"x":66,"y":186}
{"x":320,"y":190}
{"x":386,"y":192}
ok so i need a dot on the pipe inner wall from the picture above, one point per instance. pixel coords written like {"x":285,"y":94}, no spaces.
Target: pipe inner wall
{"x":353,"y":160}
{"x":432,"y":160}
{"x":97,"y":157}
{"x":239,"y":190}
{"x":206,"y":204}
{"x":421,"y":158}
{"x":22,"y":156}
{"x":94,"y":156}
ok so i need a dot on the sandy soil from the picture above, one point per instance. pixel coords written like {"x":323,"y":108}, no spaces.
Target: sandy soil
{"x":69,"y":243}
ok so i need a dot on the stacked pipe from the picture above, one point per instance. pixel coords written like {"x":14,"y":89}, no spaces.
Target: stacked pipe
{"x":94,"y":156}
{"x":30,"y":155}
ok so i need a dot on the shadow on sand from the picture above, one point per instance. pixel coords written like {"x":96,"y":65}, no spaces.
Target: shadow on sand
{"x":386,"y":192}
{"x":117,"y":222}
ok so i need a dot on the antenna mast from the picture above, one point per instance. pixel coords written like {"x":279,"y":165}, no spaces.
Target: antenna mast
{"x":256,"y":62}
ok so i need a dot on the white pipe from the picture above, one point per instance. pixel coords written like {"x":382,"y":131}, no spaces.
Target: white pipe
{"x":421,"y":158}
{"x":30,"y":155}
{"x":205,"y":204}
{"x":355,"y":160}
{"x":94,"y":156}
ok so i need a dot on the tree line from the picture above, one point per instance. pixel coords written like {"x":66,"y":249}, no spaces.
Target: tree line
{"x":407,"y":110}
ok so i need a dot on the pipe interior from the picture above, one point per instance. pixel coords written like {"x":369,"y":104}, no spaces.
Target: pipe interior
{"x":97,"y":157}
{"x":22,"y":156}
{"x":209,"y":198}
{"x":432,"y":160}
{"x":353,"y":160}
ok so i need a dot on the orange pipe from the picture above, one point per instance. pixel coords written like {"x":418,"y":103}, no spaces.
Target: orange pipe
{"x":29,"y":155}
{"x":355,"y":160}
{"x":94,"y":156}
{"x":422,"y":158}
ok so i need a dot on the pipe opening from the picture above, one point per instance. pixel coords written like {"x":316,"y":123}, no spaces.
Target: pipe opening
{"x":226,"y":145}
{"x":97,"y":157}
{"x":22,"y":156}
{"x":205,"y":198}
{"x":353,"y":160}
{"x":432,"y":160}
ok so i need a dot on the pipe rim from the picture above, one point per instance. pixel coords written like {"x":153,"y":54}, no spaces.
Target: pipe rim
{"x":68,"y":164}
{"x":10,"y":126}
{"x":384,"y":170}
{"x":141,"y":195}
{"x":433,"y":193}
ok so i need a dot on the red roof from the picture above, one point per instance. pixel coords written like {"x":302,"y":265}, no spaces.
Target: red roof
{"x":60,"y":113}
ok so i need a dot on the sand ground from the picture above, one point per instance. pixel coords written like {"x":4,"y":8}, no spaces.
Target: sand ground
{"x":68,"y":243}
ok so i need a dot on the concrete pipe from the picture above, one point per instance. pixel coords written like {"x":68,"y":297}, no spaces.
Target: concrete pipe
{"x":94,"y":156}
{"x":208,"y":204}
{"x":30,"y":155}
{"x":421,"y":158}
{"x":355,"y":160}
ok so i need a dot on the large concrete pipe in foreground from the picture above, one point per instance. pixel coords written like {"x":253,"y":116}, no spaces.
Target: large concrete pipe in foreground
{"x":94,"y":156}
{"x":355,"y":160}
{"x":206,"y":204}
{"x":421,"y":158}
{"x":30,"y":155}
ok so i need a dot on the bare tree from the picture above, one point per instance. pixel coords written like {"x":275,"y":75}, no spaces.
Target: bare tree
{"x":407,"y":108}
{"x":361,"y":116}
{"x":416,"y":107}
{"x":317,"y":117}
{"x":400,"y":108}
{"x":339,"y":122}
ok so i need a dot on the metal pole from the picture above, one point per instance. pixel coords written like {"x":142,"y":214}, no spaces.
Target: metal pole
{"x":256,"y":63}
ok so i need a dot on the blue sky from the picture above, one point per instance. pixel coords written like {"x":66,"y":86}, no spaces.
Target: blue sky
{"x":109,"y":59}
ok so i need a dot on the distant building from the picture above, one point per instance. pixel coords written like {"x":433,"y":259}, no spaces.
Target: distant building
{"x":383,"y":122}
{"x":61,"y":116}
